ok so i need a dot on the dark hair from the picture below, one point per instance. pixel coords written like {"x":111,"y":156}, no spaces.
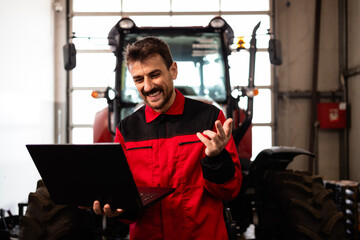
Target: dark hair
{"x":146,"y":47}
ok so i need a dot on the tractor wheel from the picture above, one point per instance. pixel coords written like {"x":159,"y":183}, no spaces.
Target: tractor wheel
{"x":295,"y":205}
{"x":46,"y":220}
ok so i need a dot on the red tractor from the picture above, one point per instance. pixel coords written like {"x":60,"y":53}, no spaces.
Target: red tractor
{"x":282,"y":204}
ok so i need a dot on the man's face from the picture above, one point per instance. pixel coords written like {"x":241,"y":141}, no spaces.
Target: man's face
{"x":155,"y":82}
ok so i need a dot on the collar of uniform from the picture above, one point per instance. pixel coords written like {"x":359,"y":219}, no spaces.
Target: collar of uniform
{"x":176,"y":109}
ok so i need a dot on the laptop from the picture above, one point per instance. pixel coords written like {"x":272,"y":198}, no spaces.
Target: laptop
{"x":79,"y":174}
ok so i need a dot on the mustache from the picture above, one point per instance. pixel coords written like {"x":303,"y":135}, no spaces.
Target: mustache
{"x":154,"y":90}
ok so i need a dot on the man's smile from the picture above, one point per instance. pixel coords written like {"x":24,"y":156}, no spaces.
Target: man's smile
{"x":153,"y":94}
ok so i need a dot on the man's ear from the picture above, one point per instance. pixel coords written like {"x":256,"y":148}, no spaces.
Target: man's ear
{"x":173,"y":70}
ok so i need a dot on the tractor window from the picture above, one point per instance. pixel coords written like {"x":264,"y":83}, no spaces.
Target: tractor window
{"x":199,"y":76}
{"x":200,"y":66}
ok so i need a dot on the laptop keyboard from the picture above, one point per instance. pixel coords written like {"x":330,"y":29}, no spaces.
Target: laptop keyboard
{"x":147,"y":196}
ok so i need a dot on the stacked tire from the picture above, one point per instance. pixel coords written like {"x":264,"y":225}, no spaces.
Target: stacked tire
{"x":46,"y":220}
{"x":295,"y":205}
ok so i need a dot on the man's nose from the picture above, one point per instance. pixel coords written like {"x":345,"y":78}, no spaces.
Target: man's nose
{"x":148,"y":85}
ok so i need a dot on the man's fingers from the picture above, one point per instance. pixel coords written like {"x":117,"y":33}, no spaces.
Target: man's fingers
{"x":107,"y":210}
{"x":209,"y":134}
{"x":110,"y":212}
{"x":216,"y":141}
{"x":97,"y":208}
{"x":224,"y":130}
{"x":228,"y":127}
{"x":119,"y":211}
{"x":204,"y":138}
{"x":219,"y":129}
{"x":221,"y":132}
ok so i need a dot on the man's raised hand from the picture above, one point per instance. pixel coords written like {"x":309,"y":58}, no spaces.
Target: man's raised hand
{"x":215,"y":142}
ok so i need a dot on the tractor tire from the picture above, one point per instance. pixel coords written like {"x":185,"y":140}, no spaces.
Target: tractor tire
{"x":46,"y":220}
{"x":295,"y":205}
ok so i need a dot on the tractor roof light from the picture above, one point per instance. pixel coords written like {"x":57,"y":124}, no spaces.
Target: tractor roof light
{"x":217,"y":22}
{"x":126,"y":23}
{"x":220,"y":25}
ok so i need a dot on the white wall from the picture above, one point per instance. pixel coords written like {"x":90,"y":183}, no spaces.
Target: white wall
{"x":26,"y":93}
{"x":354,"y":89}
{"x":295,"y":28}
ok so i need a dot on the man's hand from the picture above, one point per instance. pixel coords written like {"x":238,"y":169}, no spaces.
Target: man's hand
{"x":215,"y":142}
{"x":106,"y":211}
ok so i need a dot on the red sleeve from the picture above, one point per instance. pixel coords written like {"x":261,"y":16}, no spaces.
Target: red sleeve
{"x":231,"y":188}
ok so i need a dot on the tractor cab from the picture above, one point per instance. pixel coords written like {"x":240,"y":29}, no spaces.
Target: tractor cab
{"x":201,"y":54}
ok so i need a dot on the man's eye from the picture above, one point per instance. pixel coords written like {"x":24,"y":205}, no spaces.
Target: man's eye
{"x":155,"y":75}
{"x":137,"y":80}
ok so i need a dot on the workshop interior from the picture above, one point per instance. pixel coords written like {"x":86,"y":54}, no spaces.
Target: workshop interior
{"x":286,"y":71}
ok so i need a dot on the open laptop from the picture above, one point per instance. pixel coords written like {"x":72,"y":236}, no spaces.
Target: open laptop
{"x":78,"y":174}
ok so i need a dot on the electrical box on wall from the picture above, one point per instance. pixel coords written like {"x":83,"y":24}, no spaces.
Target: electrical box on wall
{"x":332,"y":115}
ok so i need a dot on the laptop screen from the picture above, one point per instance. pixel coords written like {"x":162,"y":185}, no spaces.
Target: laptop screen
{"x":78,"y":174}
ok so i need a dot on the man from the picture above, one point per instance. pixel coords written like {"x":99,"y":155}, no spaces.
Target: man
{"x":177,"y":142}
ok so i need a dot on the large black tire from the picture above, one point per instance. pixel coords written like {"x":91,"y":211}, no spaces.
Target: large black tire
{"x":295,"y":205}
{"x":46,"y":220}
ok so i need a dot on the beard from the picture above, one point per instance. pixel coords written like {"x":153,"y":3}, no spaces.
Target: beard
{"x":162,"y":102}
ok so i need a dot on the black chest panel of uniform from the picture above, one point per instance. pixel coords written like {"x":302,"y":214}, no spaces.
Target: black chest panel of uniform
{"x":197,"y":117}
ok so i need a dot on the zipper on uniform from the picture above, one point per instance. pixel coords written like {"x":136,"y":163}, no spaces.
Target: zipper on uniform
{"x":184,"y":143}
{"x":135,"y":148}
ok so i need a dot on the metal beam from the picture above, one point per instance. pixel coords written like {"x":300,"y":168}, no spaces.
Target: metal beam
{"x":308,"y":94}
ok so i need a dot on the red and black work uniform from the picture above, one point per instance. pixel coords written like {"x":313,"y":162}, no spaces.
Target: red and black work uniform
{"x":163,"y":150}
